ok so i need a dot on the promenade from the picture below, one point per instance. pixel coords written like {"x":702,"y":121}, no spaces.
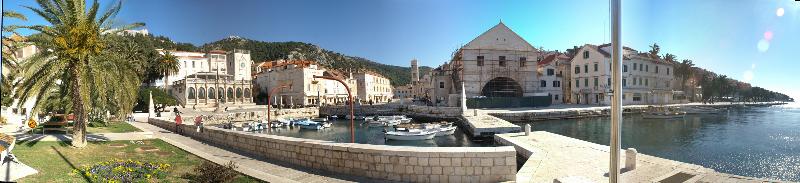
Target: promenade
{"x":247,"y":164}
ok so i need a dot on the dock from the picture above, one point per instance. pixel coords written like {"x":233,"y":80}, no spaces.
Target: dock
{"x":487,"y":126}
{"x":556,"y":158}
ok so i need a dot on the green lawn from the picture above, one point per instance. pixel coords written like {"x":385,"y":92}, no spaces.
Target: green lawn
{"x":56,"y":160}
{"x":112,"y":127}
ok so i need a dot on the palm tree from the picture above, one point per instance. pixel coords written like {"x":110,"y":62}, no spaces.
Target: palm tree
{"x":74,"y":59}
{"x":167,"y":64}
{"x":654,"y":49}
{"x":684,"y":71}
{"x":9,"y":61}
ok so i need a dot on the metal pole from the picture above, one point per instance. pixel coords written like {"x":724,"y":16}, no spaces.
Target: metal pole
{"x":350,"y":100}
{"x":616,"y":100}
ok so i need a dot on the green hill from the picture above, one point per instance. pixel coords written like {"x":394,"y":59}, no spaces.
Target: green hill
{"x":267,"y":51}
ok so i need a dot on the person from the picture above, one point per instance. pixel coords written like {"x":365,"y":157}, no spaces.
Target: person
{"x":198,"y":121}
{"x":178,"y":123}
{"x":175,"y":110}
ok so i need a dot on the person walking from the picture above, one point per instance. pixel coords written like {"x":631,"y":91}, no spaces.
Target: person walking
{"x":198,"y":121}
{"x":178,"y":123}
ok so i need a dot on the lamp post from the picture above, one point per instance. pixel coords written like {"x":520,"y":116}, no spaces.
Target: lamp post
{"x":269,"y":102}
{"x":616,"y":103}
{"x":350,"y":100}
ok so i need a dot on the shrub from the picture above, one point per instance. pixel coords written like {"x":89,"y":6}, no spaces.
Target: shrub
{"x":124,"y":171}
{"x":212,"y":172}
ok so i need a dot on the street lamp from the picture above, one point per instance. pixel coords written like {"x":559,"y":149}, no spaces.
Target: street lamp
{"x":269,"y":102}
{"x":349,"y":99}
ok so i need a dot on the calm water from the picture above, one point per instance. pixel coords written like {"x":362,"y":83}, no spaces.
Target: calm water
{"x":340,"y":132}
{"x":754,"y":141}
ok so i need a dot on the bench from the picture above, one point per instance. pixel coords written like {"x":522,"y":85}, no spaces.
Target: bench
{"x":62,"y":125}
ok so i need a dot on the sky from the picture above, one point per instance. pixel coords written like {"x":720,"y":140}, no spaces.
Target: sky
{"x":754,"y":41}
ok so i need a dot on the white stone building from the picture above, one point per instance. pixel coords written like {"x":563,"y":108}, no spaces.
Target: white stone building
{"x":301,"y":87}
{"x":373,"y":88}
{"x":212,"y":78}
{"x":644,"y":80}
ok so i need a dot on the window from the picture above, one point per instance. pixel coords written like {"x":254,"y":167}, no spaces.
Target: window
{"x":191,"y":93}
{"x":441,"y":84}
{"x":624,"y":68}
{"x":656,"y":69}
{"x":634,"y":81}
{"x":609,"y":81}
{"x":480,"y":60}
{"x":239,"y":93}
{"x":522,"y":61}
{"x":222,"y":57}
{"x":595,"y":82}
{"x":637,"y":97}
{"x":502,"y":61}
{"x":542,"y":83}
{"x":556,"y":83}
{"x":577,"y":69}
{"x":586,"y":68}
{"x":556,"y":97}
{"x":646,"y":68}
{"x":212,"y":93}
{"x":577,"y":83}
{"x":201,"y":93}
{"x":624,"y":82}
{"x":551,"y":72}
{"x":640,"y":81}
{"x":585,"y":54}
{"x":192,"y":64}
{"x":230,"y":93}
{"x":585,"y":82}
{"x":595,"y":67}
{"x":634,"y":66}
{"x":646,"y":83}
{"x":667,"y":71}
{"x":623,"y":96}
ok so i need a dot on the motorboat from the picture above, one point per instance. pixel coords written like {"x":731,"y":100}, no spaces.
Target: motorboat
{"x":320,"y":119}
{"x":333,"y":117}
{"x":663,"y":113}
{"x":312,"y":126}
{"x":308,"y":124}
{"x":442,"y":128}
{"x":702,"y":110}
{"x":410,"y":134}
{"x":326,"y":124}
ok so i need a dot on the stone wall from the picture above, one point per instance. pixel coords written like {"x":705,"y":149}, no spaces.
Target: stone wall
{"x":391,"y":163}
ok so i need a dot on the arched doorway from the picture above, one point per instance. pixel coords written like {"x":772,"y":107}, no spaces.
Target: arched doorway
{"x":502,"y":87}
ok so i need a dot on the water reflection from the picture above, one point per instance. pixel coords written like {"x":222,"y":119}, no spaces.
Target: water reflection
{"x":752,"y":141}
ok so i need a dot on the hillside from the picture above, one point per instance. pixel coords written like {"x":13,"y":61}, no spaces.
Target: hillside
{"x":263,"y":51}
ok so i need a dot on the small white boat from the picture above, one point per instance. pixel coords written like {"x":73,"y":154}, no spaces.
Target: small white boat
{"x":443,"y":128}
{"x":326,"y":124}
{"x":312,"y":126}
{"x":702,"y":110}
{"x":320,"y":119}
{"x":661,"y":113}
{"x":410,"y":134}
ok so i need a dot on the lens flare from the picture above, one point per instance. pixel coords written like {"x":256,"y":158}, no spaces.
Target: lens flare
{"x":780,"y":12}
{"x":768,"y":35}
{"x":763,"y":45}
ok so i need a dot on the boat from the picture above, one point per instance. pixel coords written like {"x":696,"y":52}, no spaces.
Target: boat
{"x":312,"y":126}
{"x":320,"y":119}
{"x":410,"y":134}
{"x":702,"y":110}
{"x":308,"y":124}
{"x":333,"y":117}
{"x":663,"y":113}
{"x":326,"y":124}
{"x":442,"y":128}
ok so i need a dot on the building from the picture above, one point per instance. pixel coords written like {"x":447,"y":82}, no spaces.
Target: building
{"x":549,"y":78}
{"x":645,"y":80}
{"x":564,"y":71}
{"x":212,"y":78}
{"x":373,"y":88}
{"x":301,"y":88}
{"x":497,"y":63}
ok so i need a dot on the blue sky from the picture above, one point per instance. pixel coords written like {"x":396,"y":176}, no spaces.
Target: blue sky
{"x":719,"y":35}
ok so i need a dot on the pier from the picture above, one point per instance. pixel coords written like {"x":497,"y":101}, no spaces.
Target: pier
{"x":556,"y":158}
{"x":487,"y":126}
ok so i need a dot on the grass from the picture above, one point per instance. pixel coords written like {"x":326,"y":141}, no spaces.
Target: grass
{"x":56,"y":160}
{"x":112,"y":127}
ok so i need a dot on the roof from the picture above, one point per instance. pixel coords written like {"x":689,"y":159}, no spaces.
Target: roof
{"x":500,"y":37}
{"x":217,"y":51}
{"x":547,"y":60}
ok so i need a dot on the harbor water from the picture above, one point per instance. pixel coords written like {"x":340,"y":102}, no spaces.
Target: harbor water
{"x":750,"y":141}
{"x":365,"y":134}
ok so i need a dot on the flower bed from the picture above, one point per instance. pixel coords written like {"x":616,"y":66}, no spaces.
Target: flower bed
{"x":124,"y":171}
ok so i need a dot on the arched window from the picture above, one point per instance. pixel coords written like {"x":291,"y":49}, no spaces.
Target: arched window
{"x":201,"y":93}
{"x":230,"y":92}
{"x":220,"y":93}
{"x":191,"y":92}
{"x":212,"y":93}
{"x":238,"y":92}
{"x":247,"y":93}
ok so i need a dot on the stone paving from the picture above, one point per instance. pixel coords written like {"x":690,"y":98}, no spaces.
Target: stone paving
{"x":254,"y":167}
{"x":483,"y":124}
{"x":552,"y":156}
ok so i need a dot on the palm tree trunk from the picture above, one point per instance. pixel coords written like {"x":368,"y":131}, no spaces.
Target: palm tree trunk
{"x":79,"y":127}
{"x":166,"y":82}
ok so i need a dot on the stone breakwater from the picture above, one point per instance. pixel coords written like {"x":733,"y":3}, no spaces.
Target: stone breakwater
{"x":381,"y":162}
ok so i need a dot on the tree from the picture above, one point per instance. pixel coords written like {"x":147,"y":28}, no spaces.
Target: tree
{"x":684,"y":71}
{"x":160,"y":98}
{"x":654,"y":49}
{"x":10,"y":46}
{"x":168,"y":64}
{"x":73,"y":56}
{"x":669,"y":57}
